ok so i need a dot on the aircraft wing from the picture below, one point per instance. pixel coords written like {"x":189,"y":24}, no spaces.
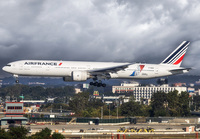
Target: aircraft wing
{"x":106,"y":71}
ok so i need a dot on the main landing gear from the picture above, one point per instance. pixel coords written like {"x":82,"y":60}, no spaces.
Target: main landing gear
{"x":98,"y":84}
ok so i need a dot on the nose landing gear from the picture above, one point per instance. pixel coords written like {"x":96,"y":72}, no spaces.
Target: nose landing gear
{"x":16,"y":78}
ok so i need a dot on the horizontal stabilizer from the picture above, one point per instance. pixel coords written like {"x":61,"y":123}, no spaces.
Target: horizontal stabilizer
{"x":182,"y":69}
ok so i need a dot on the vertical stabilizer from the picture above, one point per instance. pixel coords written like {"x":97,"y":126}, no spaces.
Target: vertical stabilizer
{"x":176,"y":57}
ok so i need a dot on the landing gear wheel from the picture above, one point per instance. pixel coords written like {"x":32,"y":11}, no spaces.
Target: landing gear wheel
{"x":95,"y":83}
{"x":103,"y":85}
{"x":99,"y":84}
{"x":91,"y":83}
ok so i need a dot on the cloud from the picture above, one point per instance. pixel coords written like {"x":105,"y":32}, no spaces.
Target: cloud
{"x":116,"y":30}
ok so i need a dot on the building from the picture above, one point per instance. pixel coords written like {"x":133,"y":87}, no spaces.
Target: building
{"x":145,"y":92}
{"x":198,"y":92}
{"x":14,"y":114}
{"x":179,"y":84}
{"x":86,"y":86}
{"x":35,"y":83}
{"x":191,"y":89}
{"x":77,"y":90}
{"x":111,"y":99}
{"x":33,"y":108}
{"x":33,"y":101}
{"x":50,"y":100}
{"x":130,"y":84}
{"x":115,"y":99}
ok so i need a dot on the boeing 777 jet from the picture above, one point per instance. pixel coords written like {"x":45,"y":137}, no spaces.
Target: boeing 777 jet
{"x":98,"y":71}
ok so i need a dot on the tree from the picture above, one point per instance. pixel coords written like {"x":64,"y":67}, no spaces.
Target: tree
{"x":21,"y":133}
{"x":173,"y":103}
{"x":36,"y":92}
{"x":196,"y":102}
{"x":131,"y":109}
{"x":57,"y":136}
{"x":159,"y":104}
{"x":79,"y":102}
{"x":81,"y":105}
{"x":132,"y":98}
{"x":4,"y":134}
{"x":184,"y":104}
{"x":86,"y":114}
{"x":58,"y":100}
{"x":145,"y":110}
{"x":18,"y":132}
{"x":44,"y":134}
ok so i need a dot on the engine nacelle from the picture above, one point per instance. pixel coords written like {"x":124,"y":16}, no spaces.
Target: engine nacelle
{"x":67,"y":78}
{"x":79,"y":75}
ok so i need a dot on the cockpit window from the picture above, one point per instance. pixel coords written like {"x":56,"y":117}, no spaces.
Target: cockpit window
{"x":8,"y":65}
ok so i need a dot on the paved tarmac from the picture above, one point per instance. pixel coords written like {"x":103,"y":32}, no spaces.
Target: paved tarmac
{"x":162,"y":130}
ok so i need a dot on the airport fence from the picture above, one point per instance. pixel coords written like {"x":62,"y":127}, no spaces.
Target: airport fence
{"x":120,"y":120}
{"x":192,"y":120}
{"x":131,"y":120}
{"x":83,"y":120}
{"x":34,"y":119}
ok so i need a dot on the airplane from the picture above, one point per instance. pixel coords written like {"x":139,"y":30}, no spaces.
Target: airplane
{"x":98,"y":71}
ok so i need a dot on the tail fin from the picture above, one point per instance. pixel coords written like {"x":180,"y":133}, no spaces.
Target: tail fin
{"x":176,"y":57}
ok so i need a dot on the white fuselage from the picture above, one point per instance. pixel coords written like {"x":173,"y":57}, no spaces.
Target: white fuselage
{"x":65,"y":69}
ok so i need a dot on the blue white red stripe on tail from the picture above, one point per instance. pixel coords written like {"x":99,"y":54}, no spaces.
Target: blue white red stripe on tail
{"x":176,"y":57}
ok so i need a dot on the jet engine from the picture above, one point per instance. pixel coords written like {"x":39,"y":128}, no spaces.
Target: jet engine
{"x":77,"y":76}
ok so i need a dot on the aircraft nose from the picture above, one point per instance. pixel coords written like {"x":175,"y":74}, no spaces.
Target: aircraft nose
{"x":4,"y":68}
{"x":7,"y":68}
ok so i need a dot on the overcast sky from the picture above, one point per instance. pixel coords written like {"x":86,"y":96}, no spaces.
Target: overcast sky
{"x":99,"y":30}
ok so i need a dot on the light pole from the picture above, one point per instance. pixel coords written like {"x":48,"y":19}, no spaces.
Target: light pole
{"x":117,"y":111}
{"x":116,"y":101}
{"x":60,"y":109}
{"x":109,"y":110}
{"x":102,"y":112}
